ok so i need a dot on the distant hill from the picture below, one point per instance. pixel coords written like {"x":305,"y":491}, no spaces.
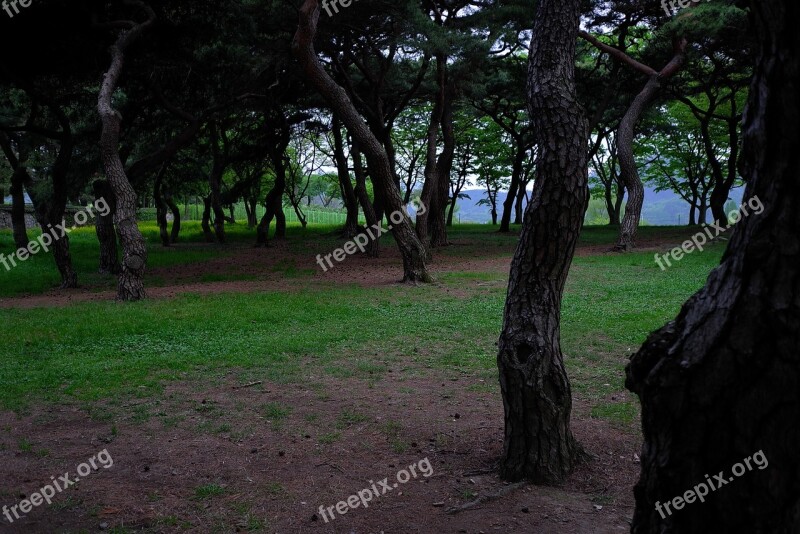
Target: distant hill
{"x":660,"y":209}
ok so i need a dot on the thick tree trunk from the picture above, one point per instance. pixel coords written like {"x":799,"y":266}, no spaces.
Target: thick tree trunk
{"x":134,"y":248}
{"x":250,"y":207}
{"x":721,"y":383}
{"x":18,"y":178}
{"x":429,"y":188}
{"x":104,"y":228}
{"x":539,"y":444}
{"x":387,"y":193}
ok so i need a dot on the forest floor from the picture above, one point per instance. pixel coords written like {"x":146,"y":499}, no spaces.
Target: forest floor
{"x":253,"y":388}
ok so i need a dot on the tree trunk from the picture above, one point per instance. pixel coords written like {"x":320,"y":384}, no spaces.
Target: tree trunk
{"x":176,"y":216}
{"x":104,"y":228}
{"x":134,"y":248}
{"x":49,"y":208}
{"x":521,"y":197}
{"x":343,"y":172}
{"x":387,"y":192}
{"x":511,"y":197}
{"x":537,"y":400}
{"x":205,"y":223}
{"x":431,"y":226}
{"x":215,"y":183}
{"x":374,"y":245}
{"x":274,"y":206}
{"x":720,"y":383}
{"x":722,"y":186}
{"x":18,"y":178}
{"x":444,"y":166}
{"x":629,"y":173}
{"x":161,"y":208}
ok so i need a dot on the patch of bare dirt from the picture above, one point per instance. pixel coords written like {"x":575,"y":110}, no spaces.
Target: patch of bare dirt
{"x":276,"y":453}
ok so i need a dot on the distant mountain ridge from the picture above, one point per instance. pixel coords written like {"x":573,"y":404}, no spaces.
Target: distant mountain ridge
{"x":663,"y":208}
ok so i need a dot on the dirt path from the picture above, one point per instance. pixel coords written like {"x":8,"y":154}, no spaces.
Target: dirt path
{"x":265,"y":265}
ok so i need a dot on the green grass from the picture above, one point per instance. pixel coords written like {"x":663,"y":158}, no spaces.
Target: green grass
{"x":103,"y":350}
{"x":208,"y":491}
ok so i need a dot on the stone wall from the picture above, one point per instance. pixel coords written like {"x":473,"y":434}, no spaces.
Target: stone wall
{"x":5,"y":217}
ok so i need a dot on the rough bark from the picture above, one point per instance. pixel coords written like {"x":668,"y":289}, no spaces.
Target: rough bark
{"x":539,"y":444}
{"x":104,"y":228}
{"x":134,"y":248}
{"x":722,"y":381}
{"x":387,"y":193}
{"x":629,"y":172}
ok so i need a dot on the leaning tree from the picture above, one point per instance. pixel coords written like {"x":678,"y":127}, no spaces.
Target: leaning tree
{"x":721,"y":382}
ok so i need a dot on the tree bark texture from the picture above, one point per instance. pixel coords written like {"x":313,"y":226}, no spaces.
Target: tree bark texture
{"x":537,"y":400}
{"x":629,"y":172}
{"x":721,"y":382}
{"x":134,"y":248}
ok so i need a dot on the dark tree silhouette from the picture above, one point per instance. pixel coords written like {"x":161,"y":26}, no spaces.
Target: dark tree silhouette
{"x":721,"y":382}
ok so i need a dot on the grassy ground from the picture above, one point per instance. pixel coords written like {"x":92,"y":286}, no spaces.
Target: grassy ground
{"x":98,"y":350}
{"x":352,"y":376}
